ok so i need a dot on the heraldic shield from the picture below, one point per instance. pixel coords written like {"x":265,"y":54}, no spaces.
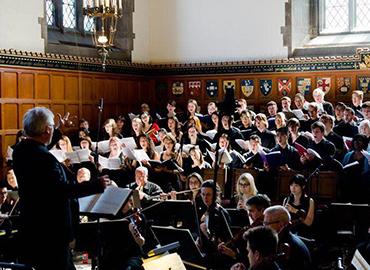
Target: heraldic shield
{"x":265,"y":87}
{"x":247,"y":87}
{"x":212,"y":88}
{"x":177,"y":88}
{"x":304,"y":85}
{"x":324,"y":84}
{"x":194,"y":88}
{"x":364,"y":84}
{"x":284,"y":86}
{"x":344,"y":85}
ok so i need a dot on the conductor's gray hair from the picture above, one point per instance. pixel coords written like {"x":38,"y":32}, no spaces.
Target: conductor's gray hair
{"x":36,"y":120}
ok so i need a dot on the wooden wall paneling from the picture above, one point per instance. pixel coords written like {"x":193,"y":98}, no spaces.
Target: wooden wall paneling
{"x":90,"y":113}
{"x":99,"y":89}
{"x":26,"y":88}
{"x":9,"y":85}
{"x":10,"y":116}
{"x":22,"y":109}
{"x":87,"y":88}
{"x":42,"y":89}
{"x":71,"y":88}
{"x":57,"y":87}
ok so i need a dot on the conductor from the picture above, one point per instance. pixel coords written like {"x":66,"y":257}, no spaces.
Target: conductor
{"x":45,"y":218}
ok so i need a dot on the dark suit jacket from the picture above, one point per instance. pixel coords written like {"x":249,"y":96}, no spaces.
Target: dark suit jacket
{"x":45,"y":194}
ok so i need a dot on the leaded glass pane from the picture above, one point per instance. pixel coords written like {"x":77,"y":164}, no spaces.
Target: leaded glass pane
{"x":69,"y":13}
{"x":50,"y":14}
{"x":362,"y":22}
{"x":336,"y":16}
{"x":88,"y":24}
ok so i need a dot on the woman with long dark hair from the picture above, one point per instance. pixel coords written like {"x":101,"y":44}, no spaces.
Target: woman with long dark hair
{"x":300,"y":206}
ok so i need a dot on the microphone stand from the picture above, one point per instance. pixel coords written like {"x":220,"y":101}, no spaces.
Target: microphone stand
{"x":100,"y":108}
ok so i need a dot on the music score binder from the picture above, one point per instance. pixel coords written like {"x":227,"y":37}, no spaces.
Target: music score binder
{"x":107,"y":203}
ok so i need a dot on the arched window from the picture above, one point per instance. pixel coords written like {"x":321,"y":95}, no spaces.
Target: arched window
{"x":70,"y":32}
{"x":344,"y":16}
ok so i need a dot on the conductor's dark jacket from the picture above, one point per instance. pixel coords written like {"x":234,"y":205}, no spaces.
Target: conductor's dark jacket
{"x":46,"y":222}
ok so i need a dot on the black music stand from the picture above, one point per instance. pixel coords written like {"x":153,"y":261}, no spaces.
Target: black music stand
{"x":104,"y":205}
{"x":176,"y":213}
{"x":239,"y":218}
{"x":188,"y":249}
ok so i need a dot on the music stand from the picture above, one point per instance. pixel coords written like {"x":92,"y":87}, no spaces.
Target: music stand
{"x":176,"y":213}
{"x":355,"y":217}
{"x":104,"y":205}
{"x":239,"y":218}
{"x":188,"y":249}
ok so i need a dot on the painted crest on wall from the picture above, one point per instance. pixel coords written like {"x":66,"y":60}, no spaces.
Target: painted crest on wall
{"x":229,"y":85}
{"x":364,"y":84}
{"x":284,"y":86}
{"x":304,"y":85}
{"x":344,"y":85}
{"x":324,"y":84}
{"x":194,"y":88}
{"x":212,"y":88}
{"x":247,"y":87}
{"x":177,"y":88}
{"x":265,"y":87}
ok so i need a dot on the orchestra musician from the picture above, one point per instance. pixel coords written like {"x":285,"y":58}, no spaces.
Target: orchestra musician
{"x":146,"y":188}
{"x":45,"y":211}
{"x":124,"y":239}
{"x":236,"y":248}
{"x":214,"y":228}
{"x":297,"y":255}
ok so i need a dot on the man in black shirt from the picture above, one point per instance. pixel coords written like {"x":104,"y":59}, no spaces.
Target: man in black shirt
{"x":278,"y":218}
{"x":290,"y":158}
{"x":348,"y":127}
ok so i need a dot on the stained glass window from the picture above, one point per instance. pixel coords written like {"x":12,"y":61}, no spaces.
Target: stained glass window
{"x":362,"y":22}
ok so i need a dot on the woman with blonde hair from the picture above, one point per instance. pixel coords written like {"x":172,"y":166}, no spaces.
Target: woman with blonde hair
{"x":245,"y":189}
{"x":280,"y":120}
{"x":111,"y":129}
{"x":64,"y":144}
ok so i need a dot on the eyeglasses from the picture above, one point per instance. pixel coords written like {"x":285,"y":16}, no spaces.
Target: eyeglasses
{"x":244,"y":184}
{"x":4,"y":192}
{"x":271,"y":222}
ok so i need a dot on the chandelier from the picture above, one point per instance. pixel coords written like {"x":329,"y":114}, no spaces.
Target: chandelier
{"x":106,"y":13}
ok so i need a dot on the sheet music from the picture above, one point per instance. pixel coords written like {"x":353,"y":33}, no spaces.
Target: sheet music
{"x":58,"y":154}
{"x":299,"y":114}
{"x":132,"y":116}
{"x":127,"y":152}
{"x":210,"y":133}
{"x":186,"y":148}
{"x":359,"y":261}
{"x":243,"y":144}
{"x":78,"y":156}
{"x":110,"y":163}
{"x":171,"y":261}
{"x":140,"y":155}
{"x":129,"y":142}
{"x":103,"y":146}
{"x":109,"y":202}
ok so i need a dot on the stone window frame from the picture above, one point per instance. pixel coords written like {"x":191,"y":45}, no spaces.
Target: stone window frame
{"x":65,"y":41}
{"x":312,"y":32}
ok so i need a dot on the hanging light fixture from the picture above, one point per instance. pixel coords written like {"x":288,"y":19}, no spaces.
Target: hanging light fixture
{"x":106,"y":13}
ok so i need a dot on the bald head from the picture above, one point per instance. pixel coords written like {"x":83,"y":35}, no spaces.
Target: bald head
{"x":276,"y":217}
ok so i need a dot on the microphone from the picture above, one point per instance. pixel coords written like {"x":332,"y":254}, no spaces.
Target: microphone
{"x":101,"y":104}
